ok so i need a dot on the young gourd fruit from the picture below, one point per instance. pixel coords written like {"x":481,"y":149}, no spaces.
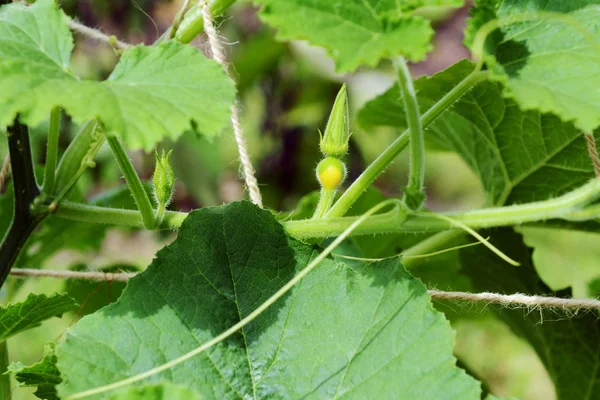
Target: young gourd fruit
{"x":331,"y":172}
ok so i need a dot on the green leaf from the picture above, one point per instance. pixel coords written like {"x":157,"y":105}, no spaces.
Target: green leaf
{"x":157,"y":391}
{"x":180,"y":88}
{"x":15,"y":318}
{"x":153,"y":93}
{"x":548,"y":63}
{"x":356,"y":32}
{"x":519,"y":156}
{"x":567,"y":345}
{"x":44,"y":374}
{"x":565,"y":258}
{"x":339,"y":333}
{"x":35,"y":50}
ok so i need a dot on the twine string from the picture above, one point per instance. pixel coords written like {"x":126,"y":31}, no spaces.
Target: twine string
{"x":506,"y":300}
{"x":218,"y":54}
{"x":593,"y":152}
{"x":97,"y":35}
{"x":4,"y":173}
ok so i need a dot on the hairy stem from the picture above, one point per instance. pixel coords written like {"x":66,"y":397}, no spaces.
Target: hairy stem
{"x":51,"y":152}
{"x":178,"y":18}
{"x":133,"y":181}
{"x":160,"y":215}
{"x":414,"y":194}
{"x":26,"y":190}
{"x":343,"y":204}
{"x":114,"y":216}
{"x":568,"y":207}
{"x":325,"y":202}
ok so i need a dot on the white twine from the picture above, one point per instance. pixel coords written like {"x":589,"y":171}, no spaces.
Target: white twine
{"x":4,"y":172}
{"x":506,"y":300}
{"x":89,"y":275}
{"x":593,"y":152}
{"x":218,"y":54}
{"x":517,"y":299}
{"x":97,"y":35}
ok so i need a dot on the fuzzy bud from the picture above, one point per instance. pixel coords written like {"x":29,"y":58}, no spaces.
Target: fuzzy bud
{"x":337,"y":132}
{"x":163,"y":178}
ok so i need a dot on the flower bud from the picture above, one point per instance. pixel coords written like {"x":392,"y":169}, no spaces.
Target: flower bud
{"x":163,"y":179}
{"x":337,"y":133}
{"x":331,"y":172}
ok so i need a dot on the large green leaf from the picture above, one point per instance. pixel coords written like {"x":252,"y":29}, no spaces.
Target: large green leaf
{"x":339,"y":333}
{"x":35,"y":50}
{"x":15,"y":318}
{"x":568,"y":344}
{"x":356,"y":32}
{"x":153,"y":93}
{"x":44,"y":374}
{"x":519,"y":156}
{"x":548,"y":63}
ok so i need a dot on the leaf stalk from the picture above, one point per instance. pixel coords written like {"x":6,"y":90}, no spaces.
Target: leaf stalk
{"x":133,"y":181}
{"x":51,"y":152}
{"x":414,"y":194}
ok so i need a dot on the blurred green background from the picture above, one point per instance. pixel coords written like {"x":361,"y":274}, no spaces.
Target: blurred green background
{"x":286,"y":91}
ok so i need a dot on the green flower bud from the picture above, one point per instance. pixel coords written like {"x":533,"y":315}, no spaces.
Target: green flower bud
{"x":337,"y":133}
{"x":163,"y":179}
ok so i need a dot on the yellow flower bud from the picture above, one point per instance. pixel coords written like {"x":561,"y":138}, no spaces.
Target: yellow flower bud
{"x":331,"y":172}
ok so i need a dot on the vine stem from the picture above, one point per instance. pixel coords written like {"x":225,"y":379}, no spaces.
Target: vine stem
{"x":51,"y":152}
{"x":347,"y":199}
{"x":160,"y":214}
{"x":114,"y":216}
{"x":325,"y":202}
{"x":178,"y":18}
{"x":414,"y":194}
{"x":133,"y":181}
{"x":244,"y":321}
{"x":571,"y":206}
